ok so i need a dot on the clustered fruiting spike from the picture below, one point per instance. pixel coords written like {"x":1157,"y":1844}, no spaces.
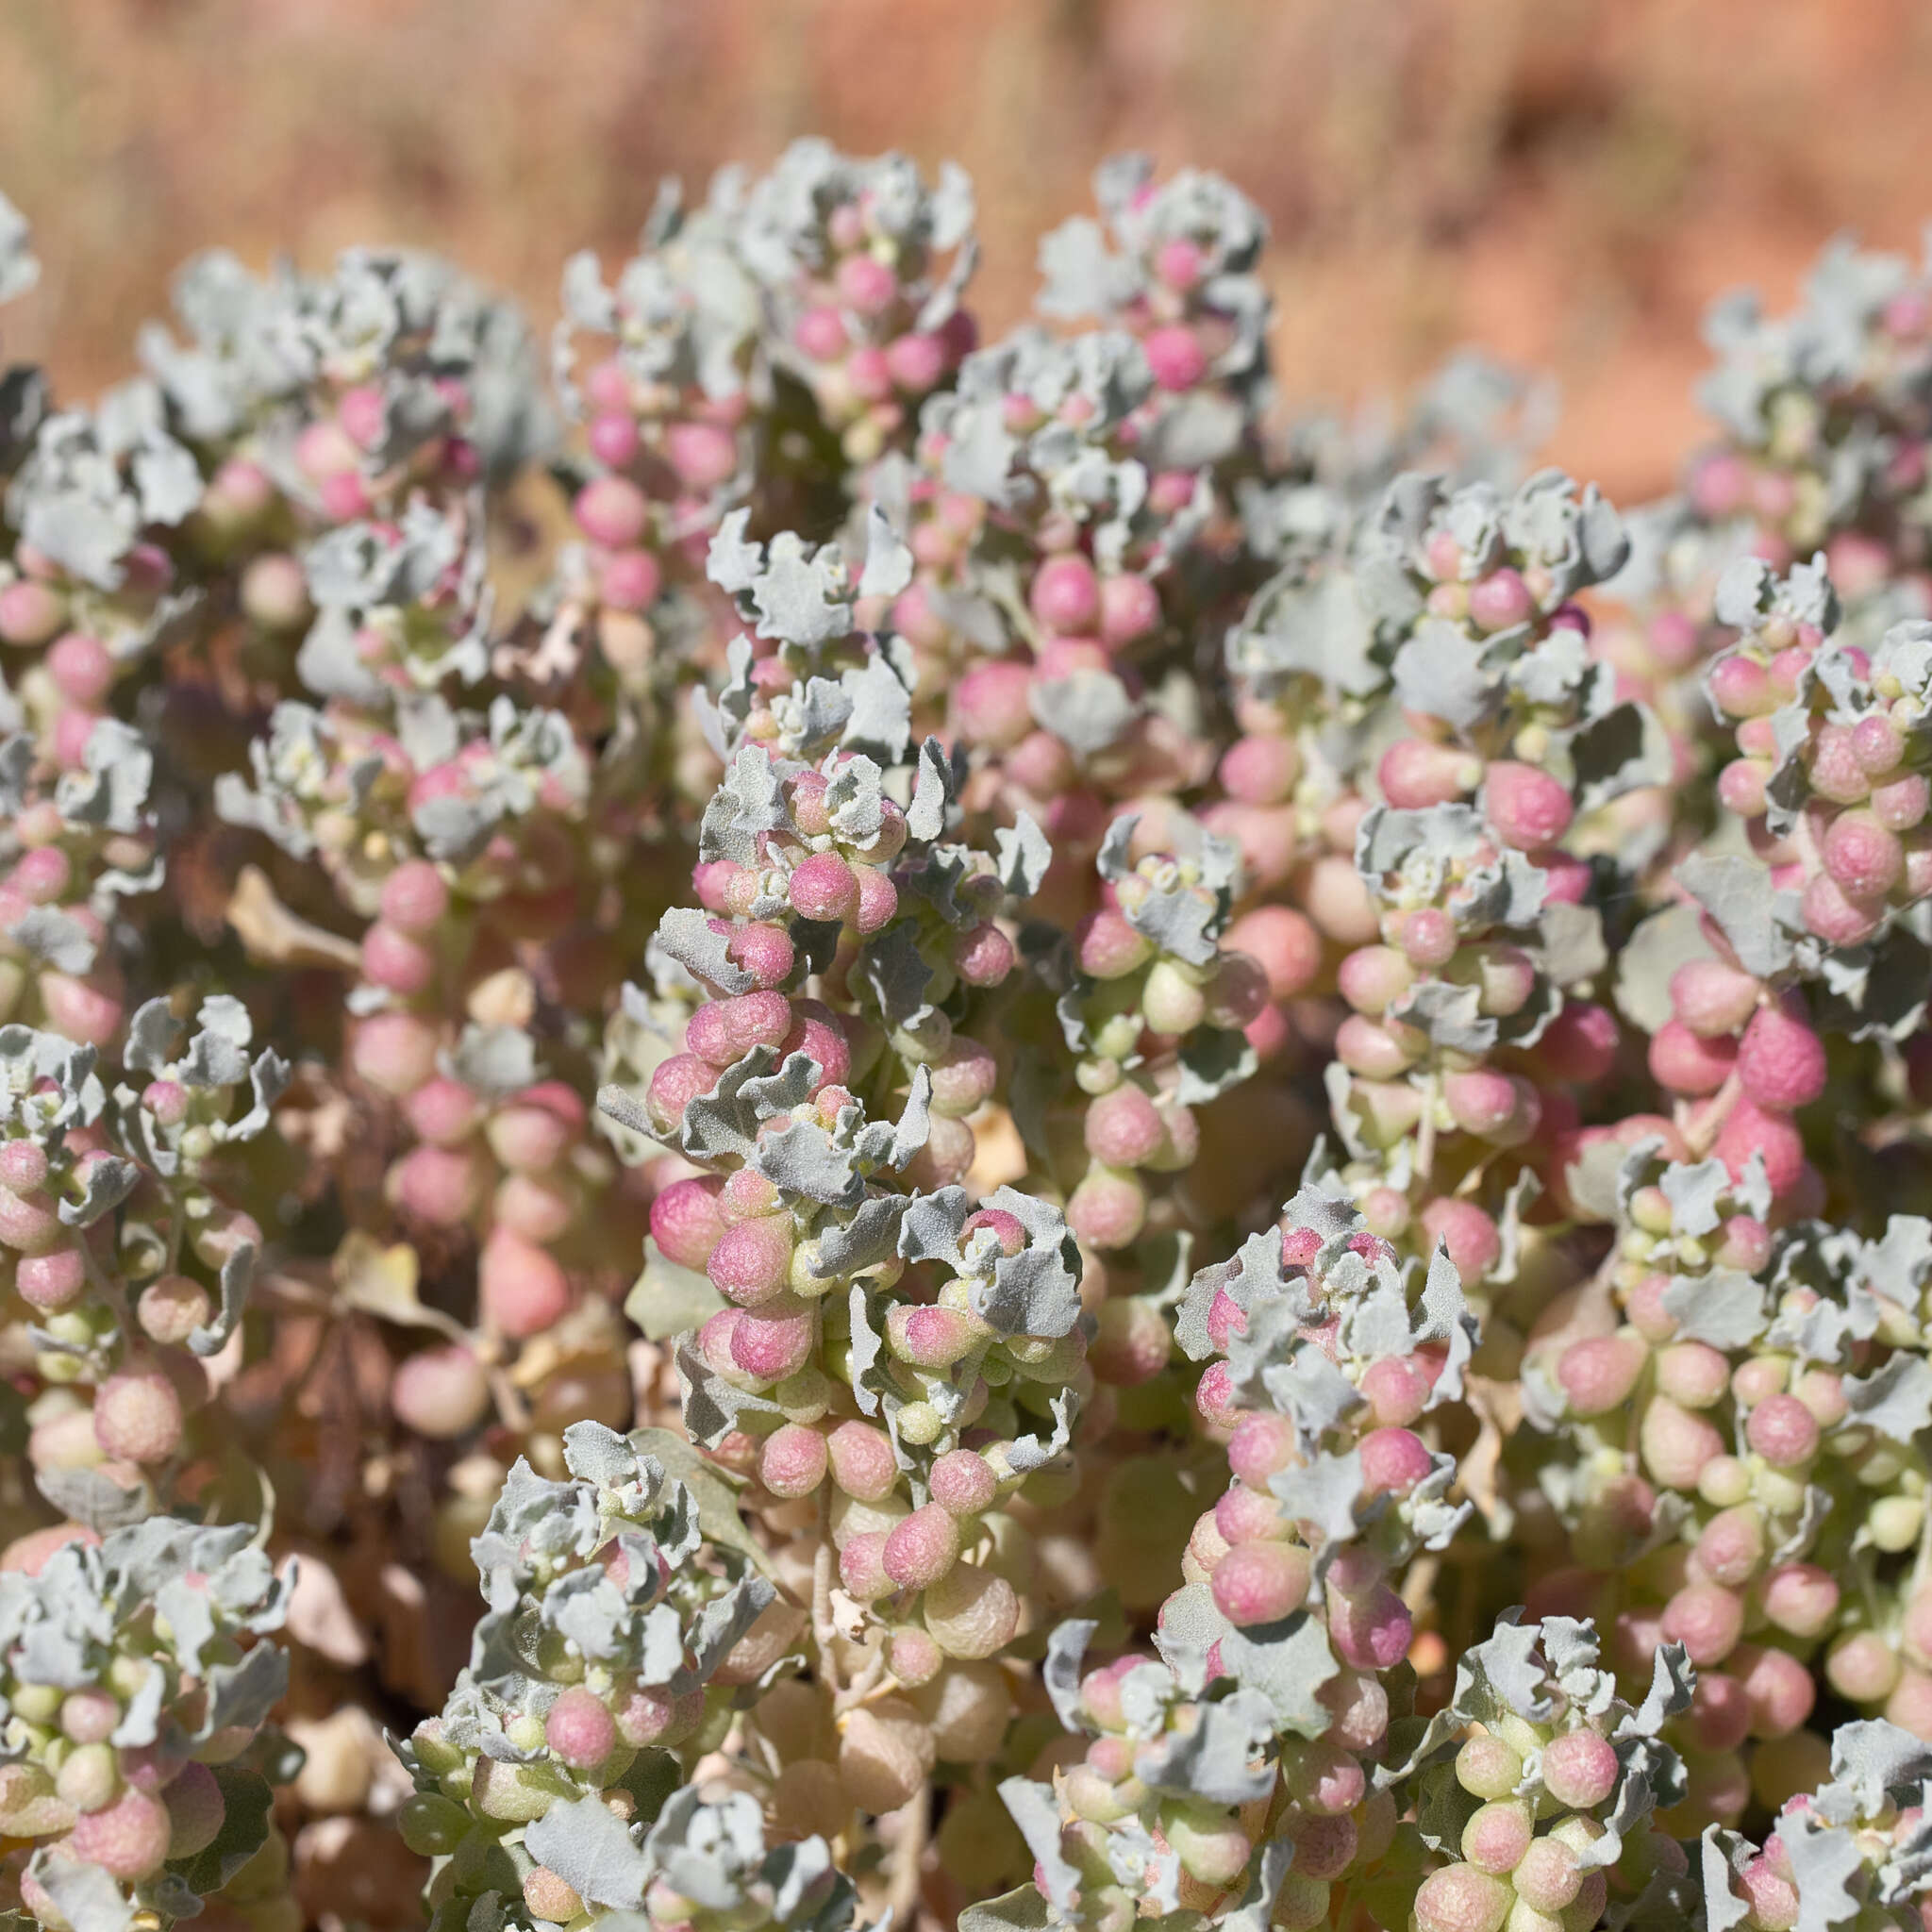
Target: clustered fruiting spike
{"x":136,"y":1696}
{"x":951,"y":839}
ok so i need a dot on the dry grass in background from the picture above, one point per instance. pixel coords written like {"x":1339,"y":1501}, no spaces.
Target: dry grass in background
{"x":1565,"y":181}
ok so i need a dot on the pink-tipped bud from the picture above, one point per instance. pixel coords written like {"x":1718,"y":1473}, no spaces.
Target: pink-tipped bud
{"x":775,"y":1340}
{"x":1262,"y":1445}
{"x":1783,"y":1431}
{"x":963,"y":1483}
{"x":1370,"y":1631}
{"x":1175,"y":356}
{"x":414,"y":898}
{"x":138,"y":1416}
{"x":685,"y":1222}
{"x":1598,"y":1374}
{"x":823,"y":888}
{"x":1261,"y":1583}
{"x":612,"y":511}
{"x":922,"y":1547}
{"x":580,"y":1730}
{"x":127,"y":1839}
{"x":1527,"y":807}
{"x":439,"y":1392}
{"x":1707,"y":1619}
{"x":1801,"y":1598}
{"x":1107,"y":1209}
{"x":1109,"y":946}
{"x":1862,"y":856}
{"x":674,"y":1084}
{"x":1394,"y":1460}
{"x":752,"y":1262}
{"x":724,"y":1031}
{"x":1580,"y":1770}
{"x":862,"y":1461}
{"x":1124,"y":1127}
{"x":1712,"y":999}
{"x":522,"y":1289}
{"x":1688,"y":1064}
{"x":1414,"y":774}
{"x":1065,"y":596}
{"x":932,"y":1337}
{"x":1496,"y":1108}
{"x":1749,"y":1130}
{"x":1501,"y":600}
{"x":792,"y":1459}
{"x":1781,"y":1063}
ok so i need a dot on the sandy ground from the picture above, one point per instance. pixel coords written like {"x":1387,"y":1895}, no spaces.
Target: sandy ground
{"x":1563,"y":181}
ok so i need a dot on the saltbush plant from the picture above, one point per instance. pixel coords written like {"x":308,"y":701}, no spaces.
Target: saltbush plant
{"x":813,"y":1121}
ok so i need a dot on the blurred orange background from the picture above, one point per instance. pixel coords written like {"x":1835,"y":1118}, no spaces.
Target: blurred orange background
{"x":1565,"y":182}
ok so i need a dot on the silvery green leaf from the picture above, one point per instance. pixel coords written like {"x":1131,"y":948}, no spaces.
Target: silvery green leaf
{"x":887,"y":562}
{"x":867,"y":1346}
{"x":1873,"y":1759}
{"x":111,"y":788}
{"x":1451,"y":1015}
{"x":897,"y":975}
{"x":1022,"y":1909}
{"x":1023,"y":857}
{"x":1286,"y":1663}
{"x":595,"y":1454}
{"x":801,"y":596}
{"x":246,"y":1803}
{"x":1326,"y":1492}
{"x":687,"y":935}
{"x":94,"y":1497}
{"x":50,"y":936}
{"x":723,"y":1620}
{"x":1695,"y":1194}
{"x":1569,"y":942}
{"x":881,"y":714}
{"x":1899,"y":1263}
{"x":109,"y":1181}
{"x":726,"y":1120}
{"x":1825,"y":1861}
{"x":86,"y":1896}
{"x":1087,"y":711}
{"x":590,"y":1848}
{"x":749,"y":801}
{"x":713,"y":1405}
{"x":1895,"y":1400}
{"x":1032,"y":1451}
{"x":1066,"y":1646}
{"x":1618,"y":751}
{"x":1737,"y":893}
{"x":1310,"y":1389}
{"x":932,"y":792}
{"x":494,"y":1061}
{"x":1254,"y":1267}
{"x":1722,"y":1855}
{"x":1440,"y":673}
{"x":1036,"y":1291}
{"x":243,"y":1694}
{"x":238,"y":1274}
{"x":1213,"y":1060}
{"x":1038,"y":1816}
{"x":870,"y":1238}
{"x":1504,"y":1666}
{"x":20,"y":270}
{"x":801,"y":1159}
{"x":1082,"y":275}
{"x":1723,"y":1308}
{"x":1224,"y":1758}
{"x":1667,"y":940}
{"x":1671,"y":1682}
